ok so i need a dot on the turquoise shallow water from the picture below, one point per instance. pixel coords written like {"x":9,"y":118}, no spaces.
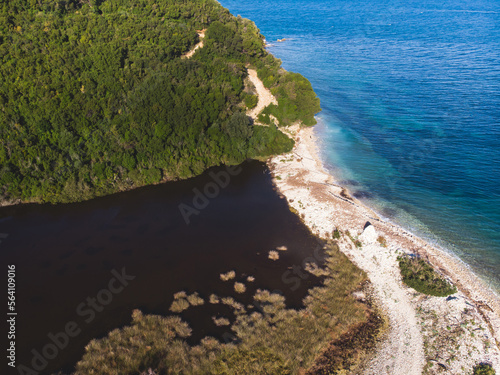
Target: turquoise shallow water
{"x":410,"y":93}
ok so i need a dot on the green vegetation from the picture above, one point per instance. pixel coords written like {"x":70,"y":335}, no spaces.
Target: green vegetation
{"x":484,"y":369}
{"x":272,"y":339}
{"x":95,"y":97}
{"x":419,"y":275}
{"x":251,"y":101}
{"x":382,"y":241}
{"x":296,"y":99}
{"x":354,"y":240}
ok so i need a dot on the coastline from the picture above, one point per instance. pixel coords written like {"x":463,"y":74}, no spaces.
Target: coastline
{"x":325,"y":205}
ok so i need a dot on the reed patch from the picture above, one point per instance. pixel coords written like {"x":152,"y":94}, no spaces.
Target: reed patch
{"x":269,"y":338}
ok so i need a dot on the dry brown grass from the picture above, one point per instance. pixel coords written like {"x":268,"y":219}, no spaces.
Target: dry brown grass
{"x":271,"y":339}
{"x":220,"y":322}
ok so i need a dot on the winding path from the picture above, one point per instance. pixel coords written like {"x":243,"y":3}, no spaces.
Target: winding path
{"x":263,"y":93}
{"x":201,"y":35}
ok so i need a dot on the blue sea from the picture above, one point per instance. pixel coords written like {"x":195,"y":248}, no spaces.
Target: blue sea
{"x":410,"y":92}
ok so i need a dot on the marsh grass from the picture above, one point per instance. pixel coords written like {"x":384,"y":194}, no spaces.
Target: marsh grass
{"x":273,"y":255}
{"x":419,"y":275}
{"x":271,"y":339}
{"x":213,"y":299}
{"x":354,"y":240}
{"x":336,"y":234}
{"x":195,"y":300}
{"x":179,"y":305}
{"x":227,"y":276}
{"x":219,"y":322}
{"x":239,"y":287}
{"x":179,"y":295}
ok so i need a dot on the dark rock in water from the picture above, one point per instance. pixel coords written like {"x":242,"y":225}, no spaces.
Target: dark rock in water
{"x":350,"y":182}
{"x":362,"y":194}
{"x":389,"y":212}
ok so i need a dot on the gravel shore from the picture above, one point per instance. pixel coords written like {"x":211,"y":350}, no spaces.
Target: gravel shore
{"x":426,"y":334}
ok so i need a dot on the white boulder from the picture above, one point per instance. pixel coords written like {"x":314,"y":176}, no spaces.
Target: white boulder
{"x":369,"y":235}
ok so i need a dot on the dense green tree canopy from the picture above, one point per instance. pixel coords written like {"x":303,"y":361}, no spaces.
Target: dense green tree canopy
{"x":95,"y":96}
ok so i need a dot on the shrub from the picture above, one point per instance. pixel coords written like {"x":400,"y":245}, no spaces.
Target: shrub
{"x":251,"y":101}
{"x":484,"y":369}
{"x":273,"y":339}
{"x":419,"y":275}
{"x":179,"y":295}
{"x":265,"y":119}
{"x":382,"y":241}
{"x":336,"y":234}
{"x":214,"y":299}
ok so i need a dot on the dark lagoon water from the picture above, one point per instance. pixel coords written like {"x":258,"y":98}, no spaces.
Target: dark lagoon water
{"x":65,"y":254}
{"x":410,"y":92}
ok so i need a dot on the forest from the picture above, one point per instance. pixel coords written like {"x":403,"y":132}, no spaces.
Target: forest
{"x":96,"y":98}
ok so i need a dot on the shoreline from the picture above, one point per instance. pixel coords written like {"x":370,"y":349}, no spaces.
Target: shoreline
{"x":325,"y":205}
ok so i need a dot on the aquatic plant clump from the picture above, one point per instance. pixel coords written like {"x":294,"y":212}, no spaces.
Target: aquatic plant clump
{"x":273,"y":255}
{"x":179,"y":305}
{"x":484,"y":369}
{"x":227,"y":276}
{"x":336,"y":234}
{"x":419,"y":275}
{"x":272,"y":339}
{"x":181,"y":294}
{"x":195,"y":300}
{"x":239,"y":287}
